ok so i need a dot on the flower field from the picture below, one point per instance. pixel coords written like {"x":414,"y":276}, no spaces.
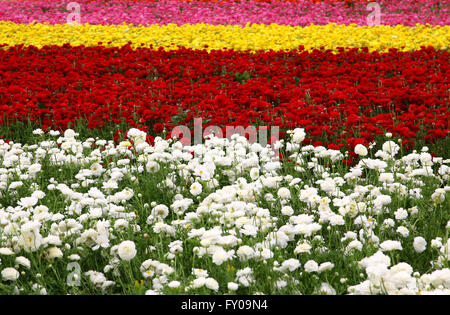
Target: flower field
{"x":349,"y":193}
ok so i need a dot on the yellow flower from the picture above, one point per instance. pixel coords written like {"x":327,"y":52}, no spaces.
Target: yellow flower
{"x":230,"y":268}
{"x":125,"y":144}
{"x":139,"y":285}
{"x":249,"y":37}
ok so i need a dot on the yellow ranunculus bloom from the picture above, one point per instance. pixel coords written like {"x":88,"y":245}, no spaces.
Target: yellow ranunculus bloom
{"x":249,"y":37}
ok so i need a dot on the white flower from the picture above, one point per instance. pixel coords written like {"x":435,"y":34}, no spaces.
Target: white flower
{"x":290,"y":264}
{"x":284,"y":193}
{"x":174,"y":284}
{"x":298,"y":135}
{"x":127,"y":250}
{"x":200,"y":273}
{"x":425,"y":158}
{"x":136,"y":135}
{"x":30,"y":237}
{"x":361,"y":150}
{"x":254,"y":173}
{"x":39,"y":194}
{"x":386,"y":177}
{"x":176,"y":247}
{"x":15,"y":184}
{"x":38,"y":132}
{"x":69,"y":133}
{"x":232,"y":286}
{"x":245,"y":253}
{"x":403,"y":231}
{"x":420,"y":244}
{"x":280,"y":284}
{"x":401,"y":214}
{"x":96,"y":169}
{"x":160,"y":211}
{"x":121,"y":224}
{"x":212,"y":284}
{"x":23,"y":261}
{"x":287,"y":210}
{"x":6,"y":251}
{"x":391,"y":245}
{"x":328,"y":185}
{"x":198,"y":283}
{"x":97,"y":278}
{"x":196,"y":189}
{"x":302,"y":248}
{"x":311,"y":266}
{"x":337,"y":220}
{"x":220,"y":256}
{"x":438,"y":196}
{"x":152,"y":167}
{"x":10,"y":274}
{"x":38,"y":288}
{"x":74,"y":257}
{"x":28,"y":202}
{"x":390,"y":147}
{"x":388,"y":223}
{"x":436,"y":243}
{"x":355,"y":244}
{"x":54,"y":252}
{"x":34,"y":168}
{"x":326,"y":289}
{"x":205,"y":172}
{"x":375,"y":259}
{"x":325,"y":266}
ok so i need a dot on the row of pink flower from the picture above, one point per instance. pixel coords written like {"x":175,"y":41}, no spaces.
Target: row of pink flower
{"x":301,"y":12}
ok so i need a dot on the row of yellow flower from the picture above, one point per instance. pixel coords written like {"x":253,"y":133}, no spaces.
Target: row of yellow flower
{"x":249,"y":37}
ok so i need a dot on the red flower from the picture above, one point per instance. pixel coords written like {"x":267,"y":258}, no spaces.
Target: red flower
{"x":340,"y":99}
{"x":158,"y":127}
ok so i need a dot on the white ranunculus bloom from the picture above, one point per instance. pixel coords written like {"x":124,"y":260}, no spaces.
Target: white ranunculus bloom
{"x":152,"y":167}
{"x":327,"y":289}
{"x":386,"y":177}
{"x":420,"y":244}
{"x":390,"y":147}
{"x":254,"y":173}
{"x":196,"y":189}
{"x":361,"y":150}
{"x":403,"y":231}
{"x":325,"y":266}
{"x":311,"y":266}
{"x":160,"y":211}
{"x":38,"y":132}
{"x":298,"y":135}
{"x":232,"y":286}
{"x":28,"y":202}
{"x":284,"y":193}
{"x":54,"y":252}
{"x":127,"y":250}
{"x":391,"y":245}
{"x":23,"y":261}
{"x":401,"y":214}
{"x":34,"y":168}
{"x":287,"y":210}
{"x":246,"y":212}
{"x":212,"y":284}
{"x":69,"y":133}
{"x":290,"y":265}
{"x":10,"y":274}
{"x":174,"y":284}
{"x":6,"y":251}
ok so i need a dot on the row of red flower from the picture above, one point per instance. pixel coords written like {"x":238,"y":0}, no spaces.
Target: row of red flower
{"x":343,"y":98}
